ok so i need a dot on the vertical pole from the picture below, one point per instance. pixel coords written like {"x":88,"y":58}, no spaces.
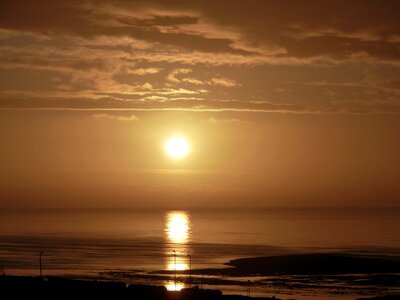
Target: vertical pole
{"x":40,"y":264}
{"x":174,"y":268}
{"x":248,"y":288}
{"x":190,"y":270}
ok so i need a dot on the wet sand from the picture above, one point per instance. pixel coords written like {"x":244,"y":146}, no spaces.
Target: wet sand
{"x":329,"y":274}
{"x":308,"y":264}
{"x":56,"y":287}
{"x":318,"y":273}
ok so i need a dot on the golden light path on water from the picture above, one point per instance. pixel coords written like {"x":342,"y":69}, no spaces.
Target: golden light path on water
{"x":171,"y":286}
{"x":177,"y":227}
{"x":177,"y":231}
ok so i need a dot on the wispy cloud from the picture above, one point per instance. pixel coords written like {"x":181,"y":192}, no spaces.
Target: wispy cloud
{"x":144,"y":71}
{"x":154,"y":51}
{"x":172,"y":77}
{"x":193,"y":81}
{"x":223,"y":81}
{"x":214,"y":120}
{"x":129,"y":118}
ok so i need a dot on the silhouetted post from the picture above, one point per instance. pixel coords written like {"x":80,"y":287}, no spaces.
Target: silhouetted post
{"x":40,"y":263}
{"x":174,"y":268}
{"x":248,"y":288}
{"x":190,"y":270}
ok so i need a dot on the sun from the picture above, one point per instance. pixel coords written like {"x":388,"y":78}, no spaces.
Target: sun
{"x":177,"y":147}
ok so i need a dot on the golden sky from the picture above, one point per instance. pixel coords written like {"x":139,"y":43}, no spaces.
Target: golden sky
{"x":284,"y":103}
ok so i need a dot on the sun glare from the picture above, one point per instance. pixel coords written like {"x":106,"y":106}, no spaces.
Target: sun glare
{"x":177,"y":147}
{"x":177,"y":227}
{"x":171,"y":286}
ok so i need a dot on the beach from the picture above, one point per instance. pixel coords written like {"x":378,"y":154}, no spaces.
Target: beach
{"x":205,"y":248}
{"x":55,"y":287}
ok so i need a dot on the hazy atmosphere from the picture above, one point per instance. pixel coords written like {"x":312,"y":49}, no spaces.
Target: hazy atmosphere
{"x":280,"y":103}
{"x":200,"y":149}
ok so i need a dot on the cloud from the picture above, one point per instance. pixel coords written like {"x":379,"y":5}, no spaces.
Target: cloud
{"x":144,"y":71}
{"x":223,"y":81}
{"x":129,"y":118}
{"x":389,"y":85}
{"x":172,"y":77}
{"x":194,"y":49}
{"x":219,"y":81}
{"x":193,"y":81}
{"x":297,"y":29}
{"x":109,"y":104}
{"x":214,"y":120}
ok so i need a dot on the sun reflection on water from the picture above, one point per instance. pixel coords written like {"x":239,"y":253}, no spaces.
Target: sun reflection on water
{"x":180,"y":265}
{"x":177,"y":232}
{"x":178,"y":227}
{"x":171,"y":286}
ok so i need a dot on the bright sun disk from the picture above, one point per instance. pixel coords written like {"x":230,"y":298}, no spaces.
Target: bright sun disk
{"x":177,"y":147}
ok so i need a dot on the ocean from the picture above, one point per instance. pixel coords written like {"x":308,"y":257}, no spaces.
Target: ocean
{"x":151,"y":246}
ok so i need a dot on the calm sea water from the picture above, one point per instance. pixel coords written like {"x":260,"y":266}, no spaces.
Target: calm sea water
{"x":139,"y":242}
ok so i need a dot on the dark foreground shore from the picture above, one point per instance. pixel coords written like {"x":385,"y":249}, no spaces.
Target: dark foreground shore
{"x":329,"y":274}
{"x":19,"y":287}
{"x":24,"y":287}
{"x":310,"y":264}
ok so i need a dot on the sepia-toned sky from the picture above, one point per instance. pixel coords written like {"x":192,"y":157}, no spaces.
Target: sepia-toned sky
{"x":284,"y":103}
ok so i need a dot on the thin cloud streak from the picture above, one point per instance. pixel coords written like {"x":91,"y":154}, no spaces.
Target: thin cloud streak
{"x":211,"y":110}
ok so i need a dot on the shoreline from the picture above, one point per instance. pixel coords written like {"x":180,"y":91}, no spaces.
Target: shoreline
{"x":53,"y":286}
{"x":48,"y":287}
{"x":324,"y":273}
{"x":309,"y":264}
{"x":293,"y":276}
